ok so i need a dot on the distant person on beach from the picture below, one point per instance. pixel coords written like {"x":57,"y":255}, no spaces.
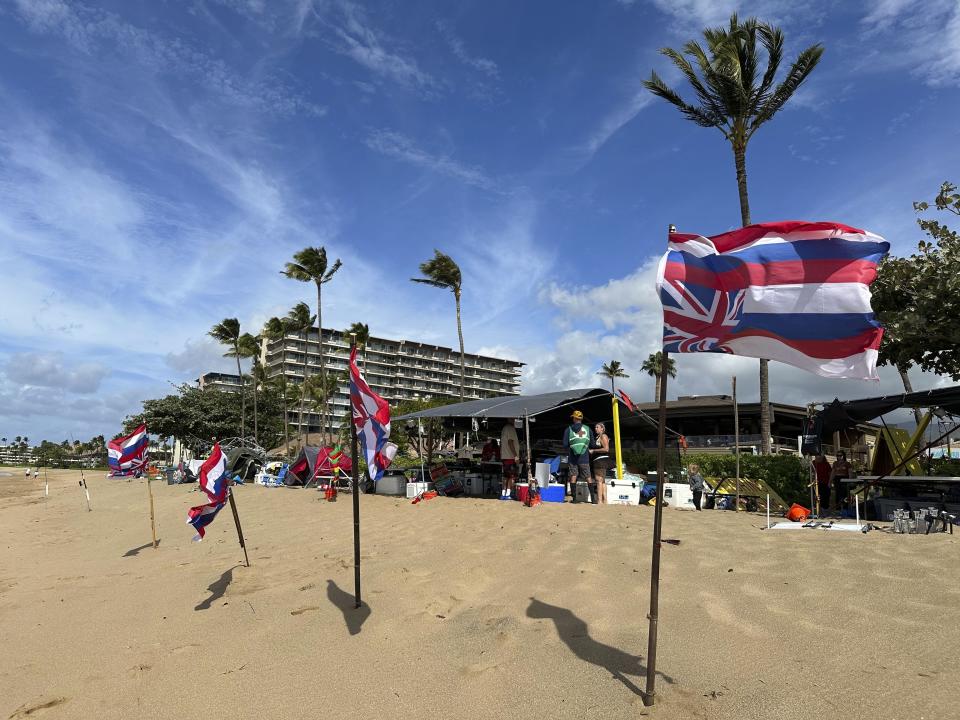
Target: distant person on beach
{"x":823,"y":470}
{"x":577,"y":439}
{"x":841,"y":471}
{"x":490,"y":452}
{"x":26,"y":473}
{"x":601,"y":462}
{"x":696,"y":484}
{"x":36,"y":474}
{"x":509,"y":454}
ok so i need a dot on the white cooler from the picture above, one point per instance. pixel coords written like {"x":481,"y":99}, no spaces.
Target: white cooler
{"x":678,"y":495}
{"x":416,"y":488}
{"x":473,"y":485}
{"x":623,"y":492}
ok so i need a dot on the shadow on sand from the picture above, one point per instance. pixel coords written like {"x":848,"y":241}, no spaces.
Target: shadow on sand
{"x":217,"y":588}
{"x":136,"y":551}
{"x":352,"y":616}
{"x":576,"y":635}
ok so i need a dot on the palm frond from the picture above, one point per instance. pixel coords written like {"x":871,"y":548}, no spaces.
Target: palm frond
{"x":659,"y":88}
{"x":801,"y":68}
{"x":328,"y":276}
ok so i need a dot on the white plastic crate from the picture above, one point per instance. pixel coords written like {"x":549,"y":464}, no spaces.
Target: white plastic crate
{"x":473,"y":485}
{"x":678,"y":495}
{"x":623,"y":492}
{"x":416,"y":488}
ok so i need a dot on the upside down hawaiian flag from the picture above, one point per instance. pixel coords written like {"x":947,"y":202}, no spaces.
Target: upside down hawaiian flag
{"x":371,"y":416}
{"x":126,"y":455}
{"x":213,"y":481}
{"x":796,"y":292}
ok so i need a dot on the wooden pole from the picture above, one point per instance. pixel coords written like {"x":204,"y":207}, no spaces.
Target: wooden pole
{"x":736,"y":433}
{"x":153,"y":522}
{"x":526,"y":421}
{"x":356,"y":493}
{"x":46,"y":483}
{"x":236,"y":519}
{"x":649,"y":697}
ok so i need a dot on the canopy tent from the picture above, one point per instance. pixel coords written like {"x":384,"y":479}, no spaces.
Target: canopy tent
{"x":551,"y":409}
{"x":843,"y":414}
{"x":315,"y":462}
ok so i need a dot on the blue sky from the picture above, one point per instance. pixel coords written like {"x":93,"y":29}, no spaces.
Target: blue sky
{"x":160,"y":161}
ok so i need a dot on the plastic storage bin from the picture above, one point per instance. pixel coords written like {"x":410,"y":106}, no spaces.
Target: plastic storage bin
{"x":553,"y":493}
{"x":623,"y":492}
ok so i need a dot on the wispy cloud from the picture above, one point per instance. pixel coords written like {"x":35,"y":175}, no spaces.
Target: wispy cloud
{"x":400,"y":147}
{"x":359,"y":40}
{"x":616,"y":119}
{"x":484,"y":65}
{"x":921,"y":37}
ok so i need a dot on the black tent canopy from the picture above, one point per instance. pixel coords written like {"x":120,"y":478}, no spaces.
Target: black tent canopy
{"x":843,"y":414}
{"x":552,"y":408}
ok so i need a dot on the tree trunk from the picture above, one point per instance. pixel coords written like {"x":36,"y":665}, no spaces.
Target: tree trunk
{"x":324,"y":408}
{"x":256,"y":429}
{"x":740,"y":160}
{"x":456,"y":296}
{"x":656,"y":390}
{"x":303,"y":387}
{"x":908,"y":387}
{"x":283,"y":390}
{"x":243,"y":394}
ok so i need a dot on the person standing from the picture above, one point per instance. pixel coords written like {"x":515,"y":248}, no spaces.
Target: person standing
{"x":697,"y":485}
{"x":823,"y":471}
{"x":509,"y":454}
{"x":601,"y":461}
{"x":841,"y":471}
{"x":577,"y":439}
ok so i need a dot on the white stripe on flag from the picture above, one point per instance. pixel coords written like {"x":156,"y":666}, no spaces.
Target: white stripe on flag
{"x":862,"y":366}
{"x":821,"y":299}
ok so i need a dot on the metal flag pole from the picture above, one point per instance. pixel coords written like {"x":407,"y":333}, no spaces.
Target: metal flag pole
{"x":736,"y":433}
{"x":356,"y":490}
{"x":649,"y":697}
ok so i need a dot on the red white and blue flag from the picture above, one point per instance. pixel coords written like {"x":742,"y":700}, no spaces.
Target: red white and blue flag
{"x":127,"y":455}
{"x":214,"y":482}
{"x":202,"y":515}
{"x":796,"y":292}
{"x":371,"y":416}
{"x":213,"y":475}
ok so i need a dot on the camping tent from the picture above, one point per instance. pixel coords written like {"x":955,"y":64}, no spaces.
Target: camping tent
{"x":313,"y":462}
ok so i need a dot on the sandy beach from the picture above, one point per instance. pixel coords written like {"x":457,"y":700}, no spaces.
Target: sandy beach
{"x":474,"y":608}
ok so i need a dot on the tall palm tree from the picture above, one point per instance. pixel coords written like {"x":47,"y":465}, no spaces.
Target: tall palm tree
{"x":613,"y":370}
{"x":299,"y":320}
{"x":731,"y":98}
{"x":250,"y":348}
{"x":276,"y":329}
{"x":310,"y":265}
{"x":653,"y":365}
{"x":227,"y":332}
{"x":362,"y":332}
{"x":442,"y":272}
{"x":319,"y":391}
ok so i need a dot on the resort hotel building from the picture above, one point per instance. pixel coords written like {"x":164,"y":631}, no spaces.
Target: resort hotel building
{"x":397,"y":370}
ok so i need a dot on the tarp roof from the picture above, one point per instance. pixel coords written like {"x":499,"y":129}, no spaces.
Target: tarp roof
{"x":842,"y":414}
{"x":513,"y":406}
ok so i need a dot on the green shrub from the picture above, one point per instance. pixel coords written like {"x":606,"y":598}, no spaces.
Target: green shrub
{"x":786,"y":474}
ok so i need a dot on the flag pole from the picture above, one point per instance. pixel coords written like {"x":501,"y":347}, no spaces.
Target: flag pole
{"x":236,"y":519}
{"x":356,"y":492}
{"x":46,"y":483}
{"x":616,"y":437}
{"x":153,"y":522}
{"x":649,"y":697}
{"x":736,"y":433}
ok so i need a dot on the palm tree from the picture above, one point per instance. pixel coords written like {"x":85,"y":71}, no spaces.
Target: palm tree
{"x":613,"y":370}
{"x":17,"y":439}
{"x":310,"y":265}
{"x":227,"y":332}
{"x":442,"y":272}
{"x":731,"y":99}
{"x":276,"y":329}
{"x":250,"y":348}
{"x":362,"y":333}
{"x":319,"y":390}
{"x":653,"y":365}
{"x":299,"y":320}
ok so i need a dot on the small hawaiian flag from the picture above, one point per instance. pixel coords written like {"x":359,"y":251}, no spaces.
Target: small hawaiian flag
{"x":626,"y":399}
{"x":213,"y":481}
{"x":202,"y":515}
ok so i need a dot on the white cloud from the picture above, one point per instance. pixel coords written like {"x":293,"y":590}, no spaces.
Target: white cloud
{"x":400,"y":147}
{"x":458,"y":48}
{"x":616,"y":119}
{"x":47,"y":370}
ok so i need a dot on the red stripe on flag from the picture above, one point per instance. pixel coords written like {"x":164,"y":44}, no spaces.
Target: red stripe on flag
{"x":789,"y":272}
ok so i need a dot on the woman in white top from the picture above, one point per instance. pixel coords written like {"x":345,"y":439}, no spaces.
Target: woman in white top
{"x":600,"y":454}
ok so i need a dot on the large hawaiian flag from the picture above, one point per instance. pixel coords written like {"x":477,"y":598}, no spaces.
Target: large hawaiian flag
{"x":371,"y":416}
{"x":128,"y":454}
{"x":796,"y":292}
{"x":213,"y":481}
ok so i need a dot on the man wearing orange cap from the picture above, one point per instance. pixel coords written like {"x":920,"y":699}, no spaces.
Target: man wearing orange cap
{"x":577,"y":438}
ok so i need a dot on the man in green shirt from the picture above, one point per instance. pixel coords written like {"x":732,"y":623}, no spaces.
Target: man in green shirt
{"x":577,"y":438}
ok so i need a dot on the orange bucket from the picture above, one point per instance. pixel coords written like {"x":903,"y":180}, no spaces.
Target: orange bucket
{"x":798,"y":513}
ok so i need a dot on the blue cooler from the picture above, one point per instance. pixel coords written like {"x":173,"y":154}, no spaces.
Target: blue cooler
{"x":553,"y":493}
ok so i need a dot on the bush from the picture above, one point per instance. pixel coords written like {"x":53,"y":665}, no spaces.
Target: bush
{"x":786,"y":474}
